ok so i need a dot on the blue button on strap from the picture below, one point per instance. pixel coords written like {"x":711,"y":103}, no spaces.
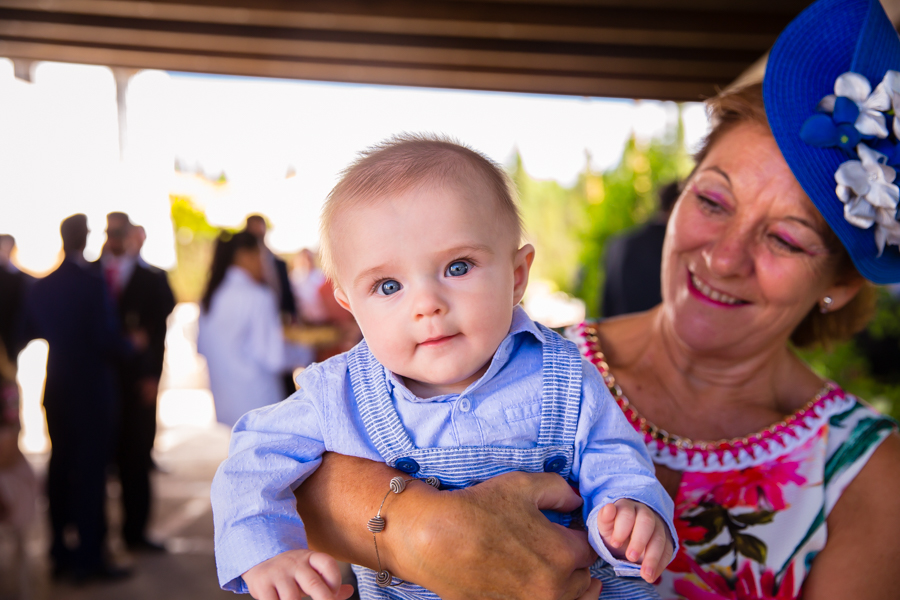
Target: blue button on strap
{"x":555,"y":464}
{"x":407,"y":465}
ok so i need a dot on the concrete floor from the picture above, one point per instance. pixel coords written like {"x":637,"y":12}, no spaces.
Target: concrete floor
{"x":182,"y":520}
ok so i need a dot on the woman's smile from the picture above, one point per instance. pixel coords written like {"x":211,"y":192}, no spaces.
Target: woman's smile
{"x":700,"y":289}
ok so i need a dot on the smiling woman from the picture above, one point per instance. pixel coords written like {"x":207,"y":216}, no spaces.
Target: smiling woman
{"x":784,"y":485}
{"x":745,"y":108}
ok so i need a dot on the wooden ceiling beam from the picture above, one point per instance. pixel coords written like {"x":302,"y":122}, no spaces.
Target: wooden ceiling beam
{"x":375,"y":73}
{"x":664,"y":64}
{"x":672,"y":49}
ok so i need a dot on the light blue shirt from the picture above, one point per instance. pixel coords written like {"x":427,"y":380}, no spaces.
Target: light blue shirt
{"x":274,"y":449}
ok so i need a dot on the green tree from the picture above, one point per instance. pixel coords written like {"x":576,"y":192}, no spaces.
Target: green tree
{"x":570,"y":226}
{"x":194,"y":242}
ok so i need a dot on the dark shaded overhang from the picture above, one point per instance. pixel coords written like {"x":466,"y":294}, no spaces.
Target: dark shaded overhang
{"x":672,"y":50}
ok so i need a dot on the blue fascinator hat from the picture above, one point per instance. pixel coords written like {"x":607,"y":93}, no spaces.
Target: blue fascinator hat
{"x":832,"y":98}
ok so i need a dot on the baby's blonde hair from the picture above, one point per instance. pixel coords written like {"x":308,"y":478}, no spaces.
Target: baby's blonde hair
{"x":403,"y":162}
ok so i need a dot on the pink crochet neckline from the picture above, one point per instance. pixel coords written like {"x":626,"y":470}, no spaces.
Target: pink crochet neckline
{"x":753,"y":448}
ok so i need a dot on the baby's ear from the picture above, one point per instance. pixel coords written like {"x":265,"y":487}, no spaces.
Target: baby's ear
{"x":342,"y":299}
{"x":522,"y":267}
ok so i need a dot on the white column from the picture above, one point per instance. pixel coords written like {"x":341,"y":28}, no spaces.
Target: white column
{"x":23,"y":68}
{"x":123,"y":76}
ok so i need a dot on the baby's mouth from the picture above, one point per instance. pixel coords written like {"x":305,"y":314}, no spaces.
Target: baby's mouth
{"x":437,"y":340}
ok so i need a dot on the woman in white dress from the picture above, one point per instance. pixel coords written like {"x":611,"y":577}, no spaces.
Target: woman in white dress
{"x":240,"y":332}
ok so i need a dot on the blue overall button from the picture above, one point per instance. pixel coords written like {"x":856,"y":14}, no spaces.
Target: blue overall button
{"x":407,"y":465}
{"x":555,"y":464}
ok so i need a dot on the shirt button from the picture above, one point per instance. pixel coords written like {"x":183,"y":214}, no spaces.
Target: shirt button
{"x":465,"y":405}
{"x":407,"y":465}
{"x":555,"y":464}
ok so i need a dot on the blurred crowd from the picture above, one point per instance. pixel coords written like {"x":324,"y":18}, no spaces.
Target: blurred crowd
{"x":105,"y":325}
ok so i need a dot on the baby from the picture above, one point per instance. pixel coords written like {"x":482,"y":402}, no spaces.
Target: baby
{"x":454,"y":381}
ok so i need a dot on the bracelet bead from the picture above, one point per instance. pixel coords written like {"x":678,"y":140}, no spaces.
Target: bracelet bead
{"x":376,"y":524}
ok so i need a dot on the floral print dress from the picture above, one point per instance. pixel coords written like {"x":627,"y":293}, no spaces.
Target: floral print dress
{"x":751,"y":512}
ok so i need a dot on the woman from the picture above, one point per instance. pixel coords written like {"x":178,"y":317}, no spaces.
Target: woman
{"x":240,"y":331}
{"x":792,"y":490}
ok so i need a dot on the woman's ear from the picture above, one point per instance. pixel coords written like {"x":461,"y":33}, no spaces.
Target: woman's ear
{"x":521,"y":268}
{"x":840,"y":294}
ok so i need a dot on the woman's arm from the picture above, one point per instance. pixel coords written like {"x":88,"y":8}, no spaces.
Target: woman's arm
{"x":860,"y":558}
{"x":487,"y":541}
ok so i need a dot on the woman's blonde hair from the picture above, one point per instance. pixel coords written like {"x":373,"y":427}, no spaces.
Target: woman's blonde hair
{"x":745,"y":105}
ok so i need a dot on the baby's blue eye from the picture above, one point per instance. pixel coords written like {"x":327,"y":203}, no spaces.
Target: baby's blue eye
{"x":389,"y":287}
{"x":458,"y":268}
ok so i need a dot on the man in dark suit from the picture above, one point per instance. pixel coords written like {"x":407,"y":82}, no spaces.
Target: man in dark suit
{"x":70,"y":308}
{"x":13,"y":286}
{"x":143,"y":301}
{"x":633,"y":261}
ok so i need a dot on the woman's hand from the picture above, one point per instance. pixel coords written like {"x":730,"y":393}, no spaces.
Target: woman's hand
{"x":491,"y":541}
{"x":487,"y":541}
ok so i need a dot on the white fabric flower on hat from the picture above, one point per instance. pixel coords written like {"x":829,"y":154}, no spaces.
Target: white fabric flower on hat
{"x":871,"y":104}
{"x":891,"y":83}
{"x":866,"y":187}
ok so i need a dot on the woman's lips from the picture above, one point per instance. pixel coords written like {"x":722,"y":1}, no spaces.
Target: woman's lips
{"x":699,"y":288}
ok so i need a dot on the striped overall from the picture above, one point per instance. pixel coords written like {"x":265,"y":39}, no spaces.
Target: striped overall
{"x":459,"y":467}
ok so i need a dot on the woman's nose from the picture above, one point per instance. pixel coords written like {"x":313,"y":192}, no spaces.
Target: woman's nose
{"x":730,"y":255}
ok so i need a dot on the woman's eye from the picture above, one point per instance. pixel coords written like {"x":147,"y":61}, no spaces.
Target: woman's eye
{"x":708,"y":203}
{"x":389,"y":287}
{"x":784,"y":244}
{"x":458,"y":268}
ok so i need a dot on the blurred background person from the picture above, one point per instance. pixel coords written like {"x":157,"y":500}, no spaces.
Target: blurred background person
{"x":240,"y":331}
{"x":307,"y":281}
{"x":276,"y":270}
{"x":143,"y":300}
{"x":71,"y":310}
{"x":633,"y":261}
{"x":18,"y":486}
{"x":276,"y":275}
{"x":333,"y":328}
{"x":13,"y":286}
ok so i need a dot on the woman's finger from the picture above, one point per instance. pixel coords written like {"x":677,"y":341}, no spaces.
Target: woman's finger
{"x":551,"y":492}
{"x":577,"y":585}
{"x":593,"y":591}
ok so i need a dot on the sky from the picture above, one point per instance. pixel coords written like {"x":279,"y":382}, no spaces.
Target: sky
{"x":59,"y":149}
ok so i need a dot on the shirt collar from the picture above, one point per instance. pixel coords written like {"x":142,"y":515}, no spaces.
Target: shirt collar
{"x":521,"y":325}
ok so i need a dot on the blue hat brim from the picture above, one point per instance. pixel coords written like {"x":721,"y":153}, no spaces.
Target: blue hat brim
{"x":826,"y":40}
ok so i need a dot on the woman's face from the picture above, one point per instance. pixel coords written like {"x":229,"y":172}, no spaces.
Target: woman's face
{"x":250,"y":260}
{"x":744,"y":258}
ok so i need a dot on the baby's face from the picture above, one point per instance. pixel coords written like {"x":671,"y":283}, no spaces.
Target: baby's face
{"x":432,"y":276}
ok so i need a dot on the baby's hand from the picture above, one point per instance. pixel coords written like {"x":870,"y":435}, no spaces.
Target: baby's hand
{"x":632,"y":530}
{"x":294,"y":574}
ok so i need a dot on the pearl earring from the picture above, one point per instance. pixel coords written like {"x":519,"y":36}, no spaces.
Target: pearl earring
{"x":826,"y":304}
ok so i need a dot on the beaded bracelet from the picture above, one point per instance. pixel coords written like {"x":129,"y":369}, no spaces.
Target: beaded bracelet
{"x":376,"y":525}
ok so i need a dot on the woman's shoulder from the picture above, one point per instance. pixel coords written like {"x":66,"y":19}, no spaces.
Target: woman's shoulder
{"x":853,"y":435}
